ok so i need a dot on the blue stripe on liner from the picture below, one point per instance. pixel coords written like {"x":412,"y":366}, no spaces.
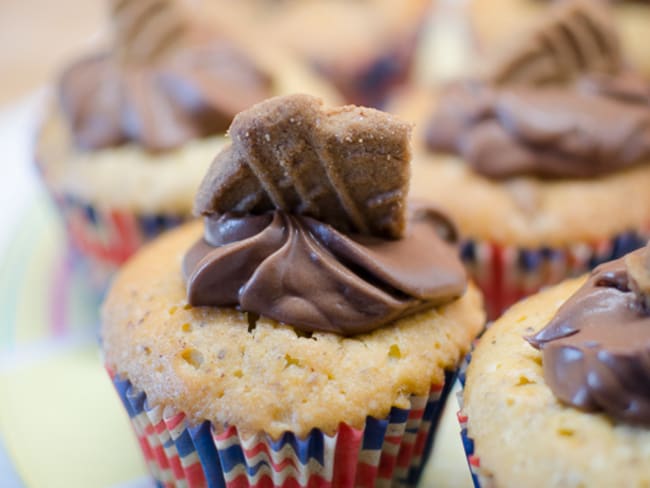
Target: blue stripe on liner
{"x":136,"y":399}
{"x":549,"y":253}
{"x":529,"y":260}
{"x":123,"y":386}
{"x":468,"y":252}
{"x":184,"y":444}
{"x":311,"y":447}
{"x":398,"y":415}
{"x":463,"y":369}
{"x":231,"y":457}
{"x":625,"y":243}
{"x":152,"y":225}
{"x":468,"y":445}
{"x":202,"y":438}
{"x":89,"y":212}
{"x":375,"y":431}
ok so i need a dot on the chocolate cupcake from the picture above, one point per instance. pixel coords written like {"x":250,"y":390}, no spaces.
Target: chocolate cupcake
{"x":570,"y":369}
{"x":540,"y":159}
{"x":126,"y":140}
{"x":308,"y":332}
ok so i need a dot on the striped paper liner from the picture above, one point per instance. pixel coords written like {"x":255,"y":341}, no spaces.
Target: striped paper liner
{"x":104,"y":238}
{"x":386,"y":452}
{"x":506,"y":274}
{"x":473,"y":461}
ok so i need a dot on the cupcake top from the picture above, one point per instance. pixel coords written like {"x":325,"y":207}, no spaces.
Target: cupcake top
{"x":596,"y":350}
{"x":528,"y":154}
{"x":166,"y":80}
{"x":311,"y":296}
{"x":523,"y":432}
{"x":307,"y":222}
{"x":546,"y":108}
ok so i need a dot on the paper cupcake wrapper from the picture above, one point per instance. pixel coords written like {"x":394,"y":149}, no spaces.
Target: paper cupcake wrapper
{"x":473,"y":461}
{"x":385,"y":452}
{"x":104,"y":238}
{"x":506,"y":274}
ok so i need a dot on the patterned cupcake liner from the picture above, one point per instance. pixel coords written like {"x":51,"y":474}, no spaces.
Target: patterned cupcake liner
{"x":385,"y":452}
{"x":103,"y":238}
{"x":473,"y":461}
{"x":506,"y":274}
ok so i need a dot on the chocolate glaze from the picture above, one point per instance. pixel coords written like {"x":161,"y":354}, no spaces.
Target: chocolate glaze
{"x":303,"y":272}
{"x":596,"y":350}
{"x":597,"y":125}
{"x":192,"y":92}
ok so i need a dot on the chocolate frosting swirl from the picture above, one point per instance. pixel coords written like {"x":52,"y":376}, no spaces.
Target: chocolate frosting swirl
{"x":303,"y":272}
{"x":596,"y":350}
{"x":553,"y":132}
{"x":163,"y":83}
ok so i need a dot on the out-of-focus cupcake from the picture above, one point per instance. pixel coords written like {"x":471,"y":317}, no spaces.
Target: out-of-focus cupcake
{"x":557,"y":392}
{"x":544,"y":161}
{"x":132,"y":128}
{"x":308,"y":332}
{"x":365,"y":49}
{"x":493,"y":22}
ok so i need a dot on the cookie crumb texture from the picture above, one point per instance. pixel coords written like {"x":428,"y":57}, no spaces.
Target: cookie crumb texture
{"x":234,"y":368}
{"x":522,"y":434}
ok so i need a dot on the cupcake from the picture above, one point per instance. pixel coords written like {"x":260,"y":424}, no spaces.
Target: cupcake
{"x":365,"y":49}
{"x":124,"y":143}
{"x":492,"y":22}
{"x":539,"y":159}
{"x":307,"y":332}
{"x":557,"y":391}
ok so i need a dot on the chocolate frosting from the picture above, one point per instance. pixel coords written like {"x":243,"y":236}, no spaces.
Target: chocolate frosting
{"x":551,"y":131}
{"x":303,"y":272}
{"x":596,"y":350}
{"x":163,"y":83}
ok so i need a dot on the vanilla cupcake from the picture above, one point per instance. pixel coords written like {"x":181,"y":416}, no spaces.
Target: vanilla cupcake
{"x":310,"y":329}
{"x":128,"y":137}
{"x":544,"y":161}
{"x":557,"y":391}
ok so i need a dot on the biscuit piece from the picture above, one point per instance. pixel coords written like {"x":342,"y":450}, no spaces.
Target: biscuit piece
{"x":347,"y":166}
{"x":577,"y":38}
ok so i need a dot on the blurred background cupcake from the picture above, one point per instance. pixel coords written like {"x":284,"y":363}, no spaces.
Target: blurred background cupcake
{"x":494,"y":21}
{"x":310,"y":330}
{"x":539,"y":156}
{"x":556,"y":392}
{"x":365,"y":49}
{"x":132,"y":127}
